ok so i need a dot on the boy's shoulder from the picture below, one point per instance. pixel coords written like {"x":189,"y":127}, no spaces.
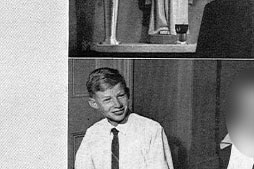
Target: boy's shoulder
{"x":97,"y":127}
{"x":141,"y":120}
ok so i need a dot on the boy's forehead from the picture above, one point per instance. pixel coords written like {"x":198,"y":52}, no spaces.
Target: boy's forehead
{"x":110,"y":90}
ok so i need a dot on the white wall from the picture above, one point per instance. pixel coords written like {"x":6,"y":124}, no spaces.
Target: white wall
{"x":33,"y":84}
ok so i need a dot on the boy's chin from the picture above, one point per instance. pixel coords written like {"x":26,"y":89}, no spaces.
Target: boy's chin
{"x":119,"y":119}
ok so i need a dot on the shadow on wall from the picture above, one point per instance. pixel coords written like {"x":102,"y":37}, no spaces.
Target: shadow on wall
{"x":179,"y":153}
{"x":146,"y":9}
{"x":81,"y":25}
{"x":227,"y":30}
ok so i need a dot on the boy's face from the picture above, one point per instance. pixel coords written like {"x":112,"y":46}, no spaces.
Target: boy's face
{"x":244,"y":106}
{"x":113,"y":103}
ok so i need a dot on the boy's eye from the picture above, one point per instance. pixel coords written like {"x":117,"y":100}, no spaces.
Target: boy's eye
{"x":108,"y":99}
{"x":121,"y":95}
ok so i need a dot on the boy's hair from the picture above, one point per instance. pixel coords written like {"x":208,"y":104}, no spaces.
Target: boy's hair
{"x":104,"y":78}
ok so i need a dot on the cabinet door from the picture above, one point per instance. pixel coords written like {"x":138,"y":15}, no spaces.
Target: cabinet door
{"x":80,"y":114}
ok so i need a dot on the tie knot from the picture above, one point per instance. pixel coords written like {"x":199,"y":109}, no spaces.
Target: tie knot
{"x":114,"y":131}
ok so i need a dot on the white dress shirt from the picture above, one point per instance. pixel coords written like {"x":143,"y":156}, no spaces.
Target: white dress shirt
{"x":142,"y":145}
{"x":237,"y":159}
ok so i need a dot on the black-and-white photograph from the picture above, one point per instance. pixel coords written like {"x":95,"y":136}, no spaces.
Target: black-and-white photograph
{"x":127,"y":84}
{"x":138,"y":104}
{"x":161,"y":28}
{"x":160,"y":113}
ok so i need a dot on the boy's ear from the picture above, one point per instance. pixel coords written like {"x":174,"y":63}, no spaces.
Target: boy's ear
{"x":93,"y":103}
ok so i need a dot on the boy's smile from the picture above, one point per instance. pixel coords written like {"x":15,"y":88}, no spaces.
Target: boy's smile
{"x":113,"y":103}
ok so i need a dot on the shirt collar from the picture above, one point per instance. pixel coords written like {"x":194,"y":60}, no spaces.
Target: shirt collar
{"x":122,"y":128}
{"x":226,"y":142}
{"x":239,"y":155}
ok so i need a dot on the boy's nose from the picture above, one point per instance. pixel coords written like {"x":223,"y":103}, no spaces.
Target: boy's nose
{"x":117,"y":103}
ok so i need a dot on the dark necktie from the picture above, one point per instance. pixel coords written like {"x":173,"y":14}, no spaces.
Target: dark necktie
{"x":224,"y":157}
{"x":115,"y":150}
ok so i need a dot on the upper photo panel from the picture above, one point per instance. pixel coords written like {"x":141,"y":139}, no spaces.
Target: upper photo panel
{"x":161,"y":28}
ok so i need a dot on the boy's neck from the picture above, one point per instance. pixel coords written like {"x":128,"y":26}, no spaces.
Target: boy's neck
{"x":124,"y":121}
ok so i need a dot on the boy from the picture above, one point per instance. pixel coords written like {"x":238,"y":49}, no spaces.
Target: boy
{"x":123,"y":140}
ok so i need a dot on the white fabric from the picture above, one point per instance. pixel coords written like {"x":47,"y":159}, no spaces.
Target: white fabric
{"x":237,"y":159}
{"x":225,"y":142}
{"x":159,"y":16}
{"x":142,"y":145}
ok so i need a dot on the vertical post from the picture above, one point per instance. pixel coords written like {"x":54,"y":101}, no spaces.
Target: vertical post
{"x":178,"y":13}
{"x":184,"y":103}
{"x":218,"y":106}
{"x":110,"y":21}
